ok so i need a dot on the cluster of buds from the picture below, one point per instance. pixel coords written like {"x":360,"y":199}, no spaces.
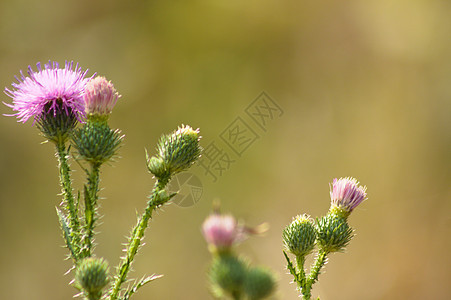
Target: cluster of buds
{"x":230,"y":274}
{"x":330,"y":233}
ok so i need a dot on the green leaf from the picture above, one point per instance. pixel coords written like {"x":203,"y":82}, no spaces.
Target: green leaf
{"x":139,"y":284}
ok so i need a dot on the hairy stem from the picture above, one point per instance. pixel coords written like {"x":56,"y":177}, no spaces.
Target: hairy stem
{"x":68,"y":198}
{"x":91,"y":197}
{"x":136,"y":238}
{"x":301,"y":279}
{"x":314,"y":273}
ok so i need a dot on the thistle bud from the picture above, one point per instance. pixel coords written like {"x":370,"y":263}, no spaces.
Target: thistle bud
{"x":96,"y":142}
{"x":176,"y":152}
{"x":227,"y":275}
{"x":259,"y":283}
{"x":100,"y":97}
{"x":156,"y":166}
{"x":334,"y":233}
{"x":92,"y":276}
{"x":299,"y":237}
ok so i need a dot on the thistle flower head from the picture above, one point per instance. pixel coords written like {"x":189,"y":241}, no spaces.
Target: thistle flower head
{"x":222,"y":231}
{"x":100,"y":96}
{"x":49,"y":90}
{"x":346,"y":194}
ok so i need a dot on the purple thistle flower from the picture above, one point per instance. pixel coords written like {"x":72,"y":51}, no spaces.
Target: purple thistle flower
{"x":347,"y":194}
{"x":50,"y":89}
{"x":100,"y":96}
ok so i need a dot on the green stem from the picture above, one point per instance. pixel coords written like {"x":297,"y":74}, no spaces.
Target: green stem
{"x":136,"y":238}
{"x":68,"y":198}
{"x":301,"y":279}
{"x":91,"y":197}
{"x":314,"y":273}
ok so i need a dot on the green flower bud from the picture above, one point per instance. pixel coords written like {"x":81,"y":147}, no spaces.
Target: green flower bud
{"x":96,"y":142}
{"x":334,"y":233}
{"x":157,"y":167}
{"x":227,"y":274}
{"x":92,"y":276}
{"x":180,"y":149}
{"x":259,"y":283}
{"x":299,"y":237}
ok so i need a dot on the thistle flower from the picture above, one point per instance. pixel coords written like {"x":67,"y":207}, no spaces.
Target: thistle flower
{"x":49,"y":90}
{"x":222,"y":231}
{"x":95,"y":141}
{"x":100,"y":96}
{"x":346,"y":194}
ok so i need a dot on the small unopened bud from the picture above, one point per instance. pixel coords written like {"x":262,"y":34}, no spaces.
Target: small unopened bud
{"x":100,"y":96}
{"x":92,"y":276}
{"x":176,"y":152}
{"x":156,"y":166}
{"x":259,"y":283}
{"x":180,"y":149}
{"x":227,"y":275}
{"x":334,"y":233}
{"x":96,"y":142}
{"x":299,"y":237}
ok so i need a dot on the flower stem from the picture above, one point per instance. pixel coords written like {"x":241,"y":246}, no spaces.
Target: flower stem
{"x":68,"y":198}
{"x":314,"y":273}
{"x":91,"y":197}
{"x":136,"y":238}
{"x":301,"y":279}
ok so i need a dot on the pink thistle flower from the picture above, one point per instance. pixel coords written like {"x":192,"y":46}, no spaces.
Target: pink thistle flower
{"x":50,"y":89}
{"x":100,"y":96}
{"x":222,"y":231}
{"x":346,"y":193}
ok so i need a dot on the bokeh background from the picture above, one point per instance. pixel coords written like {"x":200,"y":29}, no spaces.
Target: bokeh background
{"x":365,"y":89}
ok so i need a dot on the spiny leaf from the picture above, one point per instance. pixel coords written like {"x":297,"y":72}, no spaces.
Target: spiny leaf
{"x":139,"y":284}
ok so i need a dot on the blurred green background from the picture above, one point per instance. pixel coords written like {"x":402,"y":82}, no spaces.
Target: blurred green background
{"x":365,"y":88}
